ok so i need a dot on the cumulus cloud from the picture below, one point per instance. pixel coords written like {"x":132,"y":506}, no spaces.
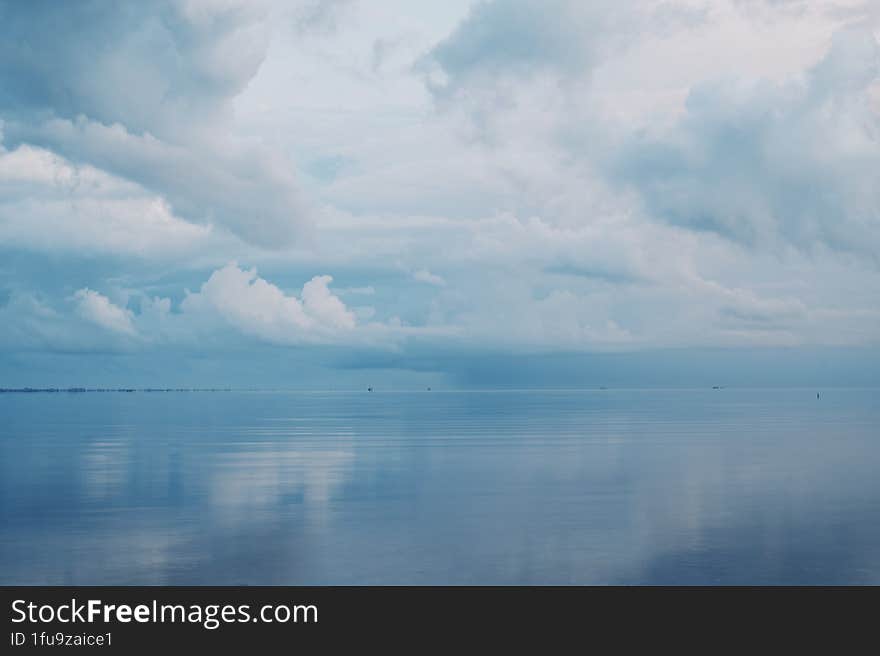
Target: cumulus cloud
{"x":240,"y":185}
{"x":144,"y":92}
{"x":259,"y":308}
{"x":49,"y":204}
{"x":763,"y":155}
{"x":256,"y":307}
{"x":233,"y":306}
{"x":759,"y":162}
{"x":98,"y":309}
{"x":320,"y":303}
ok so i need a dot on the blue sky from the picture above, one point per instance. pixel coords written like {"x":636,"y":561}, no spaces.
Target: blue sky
{"x":333,"y":193}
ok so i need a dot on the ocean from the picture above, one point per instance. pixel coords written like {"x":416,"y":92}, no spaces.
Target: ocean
{"x":728,"y":486}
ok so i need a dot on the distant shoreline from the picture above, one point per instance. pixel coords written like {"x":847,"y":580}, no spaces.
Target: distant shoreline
{"x":82,"y":390}
{"x":522,"y":390}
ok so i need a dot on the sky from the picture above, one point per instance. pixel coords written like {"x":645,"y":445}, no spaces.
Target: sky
{"x":340,"y":193}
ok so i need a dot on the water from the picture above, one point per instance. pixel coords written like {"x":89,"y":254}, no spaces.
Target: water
{"x":618,"y":487}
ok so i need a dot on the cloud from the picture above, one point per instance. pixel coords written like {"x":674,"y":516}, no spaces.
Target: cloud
{"x":583,"y":176}
{"x":152,"y":66}
{"x":326,"y":308}
{"x":144,"y":92}
{"x":509,"y":57}
{"x":233,"y":307}
{"x":763,"y":163}
{"x":98,"y":309}
{"x":320,"y":16}
{"x":239,"y":185}
{"x":765,"y":156}
{"x":252,"y":306}
{"x":259,"y":308}
{"x":425,"y":276}
{"x":513,"y":37}
{"x":48,"y":204}
{"x":488,"y":62}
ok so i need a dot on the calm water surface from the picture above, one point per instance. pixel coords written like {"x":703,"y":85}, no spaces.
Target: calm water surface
{"x":686,"y":486}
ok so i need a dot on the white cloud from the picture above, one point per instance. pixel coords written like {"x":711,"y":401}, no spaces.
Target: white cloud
{"x":49,"y":204}
{"x":320,"y":303}
{"x":259,"y":308}
{"x":239,"y":184}
{"x":425,"y":276}
{"x":98,"y":309}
